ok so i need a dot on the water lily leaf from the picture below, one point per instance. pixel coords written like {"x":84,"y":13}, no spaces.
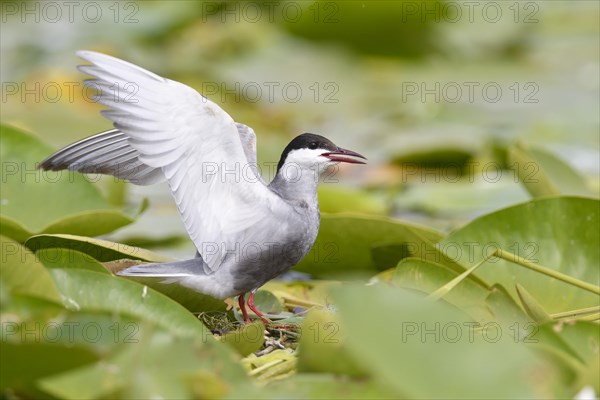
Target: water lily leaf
{"x":559,"y":233}
{"x":421,"y":342}
{"x":463,"y":198}
{"x":267,"y":302}
{"x":192,"y":300}
{"x":13,"y":229}
{"x":582,"y":336}
{"x":101,"y":250}
{"x":246,"y":340}
{"x":323,"y":346}
{"x":337,"y":199}
{"x":158,"y":365}
{"x":544,"y":174}
{"x":88,"y":290}
{"x":344,"y":244}
{"x":16,"y":374}
{"x":36,"y":201}
{"x":23,"y":273}
{"x":507,"y":312}
{"x":426,"y":276}
{"x":323,"y":386}
{"x":89,"y":223}
{"x":67,"y":258}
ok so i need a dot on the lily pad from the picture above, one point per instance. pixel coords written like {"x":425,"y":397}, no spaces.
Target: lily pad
{"x":419,"y":342}
{"x":37,"y":201}
{"x":426,"y":276}
{"x":88,"y":290}
{"x":23,"y":273}
{"x":323,"y":346}
{"x":101,"y":250}
{"x":336,"y":199}
{"x":544,"y":174}
{"x":159,"y":365}
{"x":67,"y":258}
{"x":246,"y":340}
{"x":560,"y":233}
{"x":345,"y":243}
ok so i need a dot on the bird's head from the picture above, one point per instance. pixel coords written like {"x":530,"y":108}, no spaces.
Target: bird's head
{"x":314,"y":152}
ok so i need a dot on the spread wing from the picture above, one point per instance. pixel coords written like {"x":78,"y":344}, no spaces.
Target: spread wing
{"x":197,"y":146}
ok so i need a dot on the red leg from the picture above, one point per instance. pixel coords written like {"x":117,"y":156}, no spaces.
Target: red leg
{"x":255,"y":310}
{"x":241,"y":302}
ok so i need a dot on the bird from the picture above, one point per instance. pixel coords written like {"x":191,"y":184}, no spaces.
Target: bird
{"x":246,"y":231}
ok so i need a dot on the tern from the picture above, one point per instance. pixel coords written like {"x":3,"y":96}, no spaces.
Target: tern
{"x":246,"y":231}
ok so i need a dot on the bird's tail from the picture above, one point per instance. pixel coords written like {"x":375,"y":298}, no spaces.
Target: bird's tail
{"x":170,"y":270}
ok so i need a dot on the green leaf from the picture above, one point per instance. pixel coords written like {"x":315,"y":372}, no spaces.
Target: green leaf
{"x":88,"y":290}
{"x":158,"y":365}
{"x":321,"y":386}
{"x":559,"y":233}
{"x":344,"y":244}
{"x":583,"y":337}
{"x":426,"y":276}
{"x":23,"y":273}
{"x":192,"y":300}
{"x":338,"y":199}
{"x":37,"y":201}
{"x":418,"y":342}
{"x":101,"y":250}
{"x":22,"y":364}
{"x":246,"y":340}
{"x":89,"y":223}
{"x":13,"y":229}
{"x":324,"y":348}
{"x":544,"y":174}
{"x":67,"y":258}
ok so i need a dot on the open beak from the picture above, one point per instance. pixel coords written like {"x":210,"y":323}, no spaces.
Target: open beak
{"x":341,"y":155}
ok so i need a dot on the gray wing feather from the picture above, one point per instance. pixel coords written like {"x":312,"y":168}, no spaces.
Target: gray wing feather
{"x":110,"y":153}
{"x":248,"y":139}
{"x":106,"y":153}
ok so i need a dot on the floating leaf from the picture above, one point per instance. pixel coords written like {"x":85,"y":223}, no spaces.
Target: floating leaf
{"x":344,"y":244}
{"x":88,"y":290}
{"x":101,"y":250}
{"x":246,"y":340}
{"x":337,"y":199}
{"x":23,"y":273}
{"x":158,"y":365}
{"x":425,"y":276}
{"x":559,"y":233}
{"x":323,"y":346}
{"x":419,"y":342}
{"x":66,"y":258}
{"x":544,"y":174}
{"x":36,"y":201}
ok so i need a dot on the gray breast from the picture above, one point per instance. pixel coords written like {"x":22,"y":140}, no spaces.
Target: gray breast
{"x":261,"y":262}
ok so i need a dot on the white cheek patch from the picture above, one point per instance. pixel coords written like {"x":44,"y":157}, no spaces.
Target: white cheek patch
{"x":306,"y":158}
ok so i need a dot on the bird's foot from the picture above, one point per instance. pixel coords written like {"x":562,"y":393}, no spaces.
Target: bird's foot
{"x":259,"y":314}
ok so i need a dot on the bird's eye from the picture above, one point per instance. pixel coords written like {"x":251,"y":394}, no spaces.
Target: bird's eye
{"x":313,"y":145}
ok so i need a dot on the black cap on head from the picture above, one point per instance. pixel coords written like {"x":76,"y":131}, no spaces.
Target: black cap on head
{"x":306,"y":141}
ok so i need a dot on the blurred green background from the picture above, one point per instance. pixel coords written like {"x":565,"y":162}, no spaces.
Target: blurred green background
{"x":432,"y":84}
{"x":462,"y":108}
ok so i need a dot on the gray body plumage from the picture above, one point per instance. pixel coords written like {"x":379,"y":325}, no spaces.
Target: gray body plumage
{"x":246,"y":232}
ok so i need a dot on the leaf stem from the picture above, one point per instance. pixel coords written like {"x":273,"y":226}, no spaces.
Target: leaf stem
{"x":506,"y":255}
{"x":575,"y":313}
